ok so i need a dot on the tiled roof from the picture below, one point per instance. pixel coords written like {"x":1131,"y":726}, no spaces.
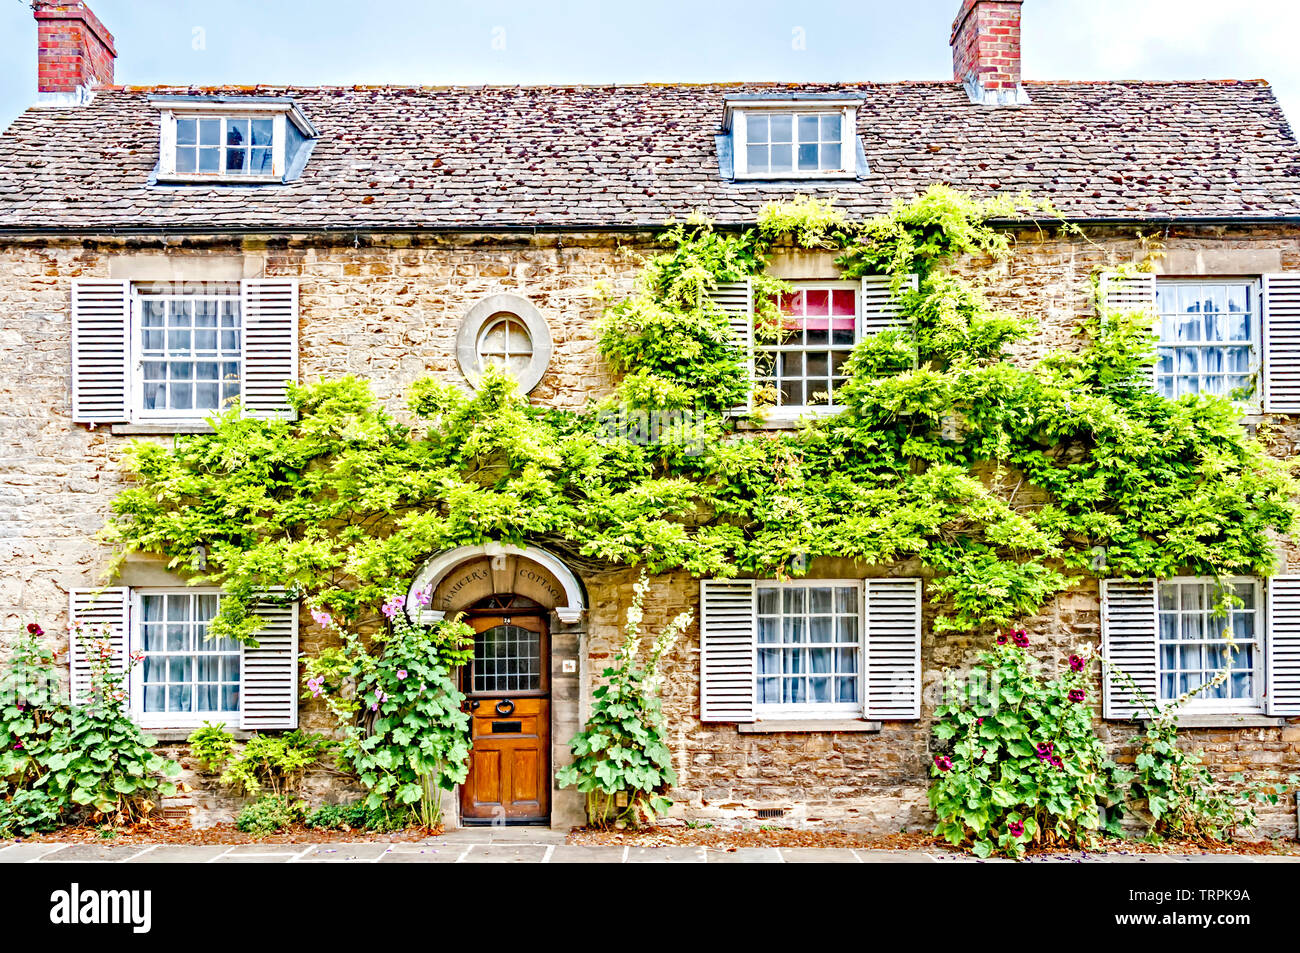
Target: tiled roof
{"x":592,"y":156}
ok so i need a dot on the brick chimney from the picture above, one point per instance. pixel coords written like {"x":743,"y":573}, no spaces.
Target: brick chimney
{"x":75,"y":52}
{"x":986,"y":51}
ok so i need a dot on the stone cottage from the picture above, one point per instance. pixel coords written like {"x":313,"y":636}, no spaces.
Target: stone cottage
{"x":165,"y":249}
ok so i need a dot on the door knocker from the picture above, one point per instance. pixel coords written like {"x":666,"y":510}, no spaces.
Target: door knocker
{"x":505,"y":707}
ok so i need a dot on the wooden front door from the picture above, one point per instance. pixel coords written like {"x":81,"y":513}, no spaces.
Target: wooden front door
{"x":508,"y":698}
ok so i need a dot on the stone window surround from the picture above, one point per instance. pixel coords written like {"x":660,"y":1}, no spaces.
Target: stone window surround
{"x":478,"y":318}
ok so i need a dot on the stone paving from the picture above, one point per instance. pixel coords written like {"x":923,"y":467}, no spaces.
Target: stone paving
{"x":526,"y":845}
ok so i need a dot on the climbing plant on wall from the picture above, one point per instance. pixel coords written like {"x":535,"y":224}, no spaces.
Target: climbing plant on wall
{"x":999,"y":477}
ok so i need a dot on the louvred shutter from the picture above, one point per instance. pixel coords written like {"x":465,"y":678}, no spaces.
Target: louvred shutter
{"x":893,"y":663}
{"x":879,"y":310}
{"x":727,"y":650}
{"x":1281,"y":357}
{"x":1127,"y":293}
{"x":96,"y":611}
{"x":100,"y":351}
{"x":1128,"y":641}
{"x":269,"y":322}
{"x":1283,"y":657}
{"x":269,"y":671}
{"x":736,"y":299}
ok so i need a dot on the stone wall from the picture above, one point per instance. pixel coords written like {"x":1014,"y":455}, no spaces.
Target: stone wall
{"x":389,"y":309}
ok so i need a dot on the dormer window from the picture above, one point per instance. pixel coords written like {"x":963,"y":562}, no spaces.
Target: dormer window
{"x":236,"y":140}
{"x":791,"y":139}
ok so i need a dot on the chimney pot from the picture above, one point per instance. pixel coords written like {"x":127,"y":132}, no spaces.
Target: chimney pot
{"x":74,"y":52}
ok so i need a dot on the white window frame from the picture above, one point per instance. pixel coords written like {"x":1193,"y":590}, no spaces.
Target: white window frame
{"x":737,"y":122}
{"x":779,"y":412}
{"x":135,"y":642}
{"x":136,"y":359}
{"x":277,"y":112}
{"x":1256,"y":298}
{"x":1199,"y":703}
{"x":813,"y":710}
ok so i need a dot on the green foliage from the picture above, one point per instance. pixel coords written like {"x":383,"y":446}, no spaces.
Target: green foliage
{"x":268,"y":814}
{"x":278,"y":761}
{"x":398,"y":707}
{"x":622,"y":761}
{"x":1175,"y":794}
{"x":1000,"y":477}
{"x":1021,"y":764}
{"x":211,"y":746}
{"x":61,"y":763}
{"x":356,"y":816}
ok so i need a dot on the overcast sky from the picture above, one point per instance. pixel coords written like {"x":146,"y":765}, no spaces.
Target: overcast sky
{"x":584,"y":41}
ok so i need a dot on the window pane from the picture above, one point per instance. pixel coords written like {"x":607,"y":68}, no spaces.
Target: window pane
{"x":782,"y":126}
{"x":830,"y":129}
{"x":756,"y":128}
{"x":781,"y":161}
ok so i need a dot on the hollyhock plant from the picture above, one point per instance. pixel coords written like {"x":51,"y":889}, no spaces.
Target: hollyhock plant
{"x":1004,"y":736}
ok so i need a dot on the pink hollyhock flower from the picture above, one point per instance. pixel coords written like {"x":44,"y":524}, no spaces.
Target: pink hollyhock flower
{"x":1077,"y":695}
{"x":1076,"y":664}
{"x":322,"y":619}
{"x":316,"y":685}
{"x":1016,"y":829}
{"x":401,"y":674}
{"x":394,"y":606}
{"x":943,"y":762}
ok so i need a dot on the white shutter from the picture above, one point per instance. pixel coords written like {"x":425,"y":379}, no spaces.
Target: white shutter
{"x":94,"y":608}
{"x":269,"y":319}
{"x":1128,"y":641}
{"x":268,"y":677}
{"x":1126,"y":293}
{"x":736,"y":298}
{"x":727,"y":650}
{"x":1282,"y":660}
{"x":893,"y":663}
{"x":1281,"y":357}
{"x":99,"y":350}
{"x":879,"y":309}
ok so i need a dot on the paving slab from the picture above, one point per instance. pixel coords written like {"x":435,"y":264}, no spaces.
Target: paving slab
{"x":506,"y":854}
{"x":566,"y":854}
{"x":22,"y":853}
{"x":336,"y":853}
{"x":665,"y":855}
{"x":254,"y":859}
{"x":178,"y":854}
{"x":90,"y":854}
{"x":284,"y":850}
{"x":424,"y":854}
{"x":744,"y":855}
{"x":819,"y":855}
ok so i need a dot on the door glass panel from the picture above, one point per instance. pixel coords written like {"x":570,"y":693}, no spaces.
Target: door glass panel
{"x":507,"y":658}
